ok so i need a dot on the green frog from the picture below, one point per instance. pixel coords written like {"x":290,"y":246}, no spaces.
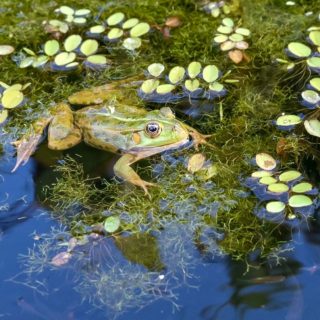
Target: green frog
{"x":108,"y":123}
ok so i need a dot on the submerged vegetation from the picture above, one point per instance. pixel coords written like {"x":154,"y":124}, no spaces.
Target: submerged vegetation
{"x":116,"y":241}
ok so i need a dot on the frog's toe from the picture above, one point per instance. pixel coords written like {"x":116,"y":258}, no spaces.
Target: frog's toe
{"x":144,"y":185}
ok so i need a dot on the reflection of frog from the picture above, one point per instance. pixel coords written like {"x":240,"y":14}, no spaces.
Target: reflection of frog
{"x":108,"y":123}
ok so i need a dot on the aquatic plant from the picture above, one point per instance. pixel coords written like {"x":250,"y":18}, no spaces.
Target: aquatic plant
{"x":231,"y":38}
{"x":11,"y":97}
{"x":217,"y":8}
{"x":286,"y":195}
{"x":6,"y":49}
{"x":194,"y":82}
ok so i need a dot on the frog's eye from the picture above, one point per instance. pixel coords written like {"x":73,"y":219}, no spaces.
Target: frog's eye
{"x":153,"y":129}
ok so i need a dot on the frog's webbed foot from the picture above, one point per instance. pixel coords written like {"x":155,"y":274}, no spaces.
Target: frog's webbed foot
{"x":123,"y":170}
{"x":199,"y":138}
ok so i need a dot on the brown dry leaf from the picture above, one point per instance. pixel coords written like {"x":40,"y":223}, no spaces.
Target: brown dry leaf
{"x":173,"y":22}
{"x":265,"y":161}
{"x":61,"y":258}
{"x":236,"y":56}
{"x":196,"y":162}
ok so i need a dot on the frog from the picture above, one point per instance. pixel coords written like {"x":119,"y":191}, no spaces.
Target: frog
{"x":107,"y":121}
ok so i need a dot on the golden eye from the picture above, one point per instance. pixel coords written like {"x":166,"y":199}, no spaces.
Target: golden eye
{"x":153,"y":129}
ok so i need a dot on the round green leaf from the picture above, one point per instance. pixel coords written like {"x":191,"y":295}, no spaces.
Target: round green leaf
{"x":310,"y":96}
{"x":261,"y":173}
{"x":3,"y":115}
{"x":89,"y":47}
{"x":132,"y":43}
{"x":315,"y":83}
{"x":299,"y":200}
{"x":235,"y":37}
{"x":314,"y":37}
{"x":97,"y":29}
{"x":278,"y":187}
{"x":115,"y":33}
{"x":302,"y":187}
{"x":51,"y":47}
{"x":176,"y":74}
{"x":275,"y":206}
{"x":97,"y":59}
{"x":215,"y":12}
{"x":6,"y":49}
{"x":194,"y":68}
{"x":225,"y":30}
{"x":220,"y":38}
{"x":64,"y":58}
{"x":210,"y":73}
{"x":130,"y":23}
{"x":165,"y":88}
{"x":192,"y":85}
{"x":267,"y":180}
{"x":72,"y":65}
{"x":300,"y":50}
{"x":148,"y":86}
{"x":115,"y":19}
{"x":228,"y":22}
{"x":40,"y":61}
{"x":243,"y":31}
{"x":72,"y":42}
{"x":155,"y":69}
{"x":140,"y":29}
{"x":288,"y":120}
{"x":66,"y":10}
{"x":265,"y":161}
{"x":112,"y":224}
{"x":11,"y":99}
{"x":289,"y":175}
{"x":16,"y":86}
{"x":216,"y":86}
{"x":227,"y":45}
{"x":312,"y":126}
{"x":79,"y":20}
{"x":82,"y":12}
{"x":27,"y":62}
{"x":314,"y":62}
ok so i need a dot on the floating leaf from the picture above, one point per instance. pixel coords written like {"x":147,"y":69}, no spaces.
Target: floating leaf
{"x":299,"y":50}
{"x":115,"y":19}
{"x":176,"y":74}
{"x":155,"y":69}
{"x":235,"y":55}
{"x":242,"y":45}
{"x":315,"y":83}
{"x":314,"y":62}
{"x":228,"y":45}
{"x":192,"y":85}
{"x":140,"y":29}
{"x":130,"y":23}
{"x":289,"y":175}
{"x":299,"y":200}
{"x":243,"y":31}
{"x":112,"y":224}
{"x":27,"y":62}
{"x":302,"y":187}
{"x":82,"y":12}
{"x":64,"y":58}
{"x":28,"y":51}
{"x":6,"y":49}
{"x":220,"y":38}
{"x":51,"y":47}
{"x":11,"y":99}
{"x":115,"y":33}
{"x":235,"y":37}
{"x":216,"y":87}
{"x":72,"y":42}
{"x":210,"y":73}
{"x":228,"y":22}
{"x":132,"y":43}
{"x":148,"y":86}
{"x":261,"y":173}
{"x":265,"y":161}
{"x":66,"y":10}
{"x":16,"y":86}
{"x":97,"y":59}
{"x":89,"y":47}
{"x":288,"y":120}
{"x":40,"y":61}
{"x":224,"y":30}
{"x":278,"y":187}
{"x":72,"y":65}
{"x":3,"y":115}
{"x":79,"y":20}
{"x":97,"y":29}
{"x":4,"y":85}
{"x":165,"y":88}
{"x":314,"y":37}
{"x":312,"y":126}
{"x":194,"y":68}
{"x":207,"y":172}
{"x":275,"y":206}
{"x":196,"y":162}
{"x":310,"y":96}
{"x":267,"y":180}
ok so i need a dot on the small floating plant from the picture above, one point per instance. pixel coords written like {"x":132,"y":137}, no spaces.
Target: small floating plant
{"x":195,"y":82}
{"x":231,"y":39}
{"x":217,"y":8}
{"x":285,"y":195}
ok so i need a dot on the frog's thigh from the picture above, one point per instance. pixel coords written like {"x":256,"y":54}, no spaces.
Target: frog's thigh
{"x":62,"y":133}
{"x":123,"y":170}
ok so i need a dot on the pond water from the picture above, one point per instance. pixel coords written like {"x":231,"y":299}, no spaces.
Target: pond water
{"x":229,"y":231}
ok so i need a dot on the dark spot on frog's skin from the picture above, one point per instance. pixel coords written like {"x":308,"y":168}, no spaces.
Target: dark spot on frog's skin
{"x":70,"y":145}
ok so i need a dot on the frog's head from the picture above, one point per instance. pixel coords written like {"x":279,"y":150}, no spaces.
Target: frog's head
{"x":163,"y":131}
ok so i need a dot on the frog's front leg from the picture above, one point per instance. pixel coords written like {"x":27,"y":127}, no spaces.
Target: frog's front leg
{"x":123,"y":170}
{"x":62,"y":133}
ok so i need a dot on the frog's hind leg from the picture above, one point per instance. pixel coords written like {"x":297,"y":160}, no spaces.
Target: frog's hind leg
{"x":63,"y":133}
